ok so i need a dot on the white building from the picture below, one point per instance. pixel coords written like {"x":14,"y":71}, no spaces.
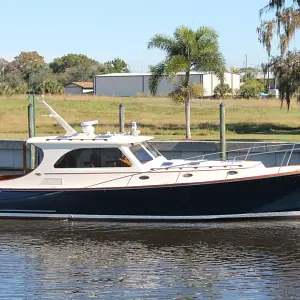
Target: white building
{"x":132,"y":84}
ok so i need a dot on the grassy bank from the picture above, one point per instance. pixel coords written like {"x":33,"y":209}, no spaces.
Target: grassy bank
{"x":160,"y":117}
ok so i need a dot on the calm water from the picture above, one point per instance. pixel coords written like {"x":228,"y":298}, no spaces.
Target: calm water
{"x":65,"y":260}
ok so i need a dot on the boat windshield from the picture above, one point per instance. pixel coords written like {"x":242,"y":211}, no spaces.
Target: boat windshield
{"x":151,"y":149}
{"x":141,"y":154}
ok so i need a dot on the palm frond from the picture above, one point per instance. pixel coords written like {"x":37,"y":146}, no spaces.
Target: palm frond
{"x":175,"y":64}
{"x":184,"y":35}
{"x":212,"y":62}
{"x":162,"y":42}
{"x":185,"y":38}
{"x":206,"y":33}
{"x":207,"y":41}
{"x":156,"y":76}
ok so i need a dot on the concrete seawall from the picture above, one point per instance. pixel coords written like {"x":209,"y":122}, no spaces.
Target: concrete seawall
{"x":11,"y":152}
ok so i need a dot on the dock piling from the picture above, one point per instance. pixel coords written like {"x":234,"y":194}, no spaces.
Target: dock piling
{"x":121,"y":117}
{"x":222,"y":132}
{"x":31,"y":134}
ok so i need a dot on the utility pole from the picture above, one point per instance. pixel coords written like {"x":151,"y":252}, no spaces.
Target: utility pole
{"x":246,"y":71}
{"x":269,"y":77}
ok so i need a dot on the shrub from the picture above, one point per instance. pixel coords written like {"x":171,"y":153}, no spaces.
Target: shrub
{"x":221,"y":90}
{"x":252,"y":88}
{"x":180,"y":93}
{"x":196,"y":90}
{"x":20,"y":89}
{"x":51,"y":87}
{"x":6,"y":90}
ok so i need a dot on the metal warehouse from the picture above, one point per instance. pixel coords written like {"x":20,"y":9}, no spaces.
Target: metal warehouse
{"x":132,"y":84}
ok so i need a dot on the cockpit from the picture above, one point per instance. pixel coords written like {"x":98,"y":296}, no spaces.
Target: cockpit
{"x":105,"y":157}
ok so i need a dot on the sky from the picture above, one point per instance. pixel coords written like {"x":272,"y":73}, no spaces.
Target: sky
{"x":106,"y":29}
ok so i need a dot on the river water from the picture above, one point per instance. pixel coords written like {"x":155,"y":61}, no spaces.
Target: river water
{"x":82,"y":260}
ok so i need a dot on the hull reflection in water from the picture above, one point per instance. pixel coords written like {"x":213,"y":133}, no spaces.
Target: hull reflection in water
{"x":249,"y":260}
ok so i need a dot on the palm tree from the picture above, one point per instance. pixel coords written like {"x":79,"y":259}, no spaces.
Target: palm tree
{"x":285,"y":24}
{"x":186,"y":51}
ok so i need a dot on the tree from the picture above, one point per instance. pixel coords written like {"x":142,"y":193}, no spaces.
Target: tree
{"x":15,"y":79}
{"x":234,"y":70}
{"x":26,"y":59}
{"x":287,"y":70}
{"x":36,"y":75}
{"x":186,"y":51}
{"x":79,"y":73}
{"x":3,"y":65}
{"x":284,"y":24}
{"x":61,"y":64}
{"x":116,"y":65}
{"x":75,"y":67}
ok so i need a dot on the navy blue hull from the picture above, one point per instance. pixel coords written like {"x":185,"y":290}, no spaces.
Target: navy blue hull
{"x":262,"y":195}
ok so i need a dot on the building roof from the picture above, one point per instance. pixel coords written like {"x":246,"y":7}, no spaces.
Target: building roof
{"x":261,"y":75}
{"x":83,"y":84}
{"x":148,"y":74}
{"x":141,"y":74}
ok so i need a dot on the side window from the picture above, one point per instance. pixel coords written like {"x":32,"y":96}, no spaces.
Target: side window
{"x":151,"y":149}
{"x":141,"y":154}
{"x":93,"y":158}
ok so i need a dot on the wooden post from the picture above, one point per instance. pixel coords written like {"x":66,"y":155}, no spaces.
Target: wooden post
{"x":34,"y":117}
{"x":121,"y":117}
{"x":222,"y":131}
{"x":24,"y":158}
{"x":31,"y":134}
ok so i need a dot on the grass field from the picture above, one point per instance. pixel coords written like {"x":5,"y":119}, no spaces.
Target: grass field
{"x":159,"y":117}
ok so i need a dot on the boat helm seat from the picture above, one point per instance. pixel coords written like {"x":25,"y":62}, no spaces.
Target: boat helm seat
{"x":125,"y":162}
{"x":94,"y":159}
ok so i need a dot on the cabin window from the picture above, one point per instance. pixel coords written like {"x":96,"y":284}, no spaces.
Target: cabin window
{"x":93,"y":158}
{"x":151,"y":149}
{"x":141,"y":154}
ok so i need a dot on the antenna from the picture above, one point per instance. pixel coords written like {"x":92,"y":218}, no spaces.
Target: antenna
{"x":59,"y":119}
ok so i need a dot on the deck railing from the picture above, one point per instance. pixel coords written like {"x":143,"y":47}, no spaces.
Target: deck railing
{"x":250,"y":152}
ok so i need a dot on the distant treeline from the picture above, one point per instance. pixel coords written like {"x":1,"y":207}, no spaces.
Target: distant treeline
{"x":29,"y":72}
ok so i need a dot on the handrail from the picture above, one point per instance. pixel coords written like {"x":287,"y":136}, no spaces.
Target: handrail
{"x":267,"y":152}
{"x":234,"y":158}
{"x":241,"y":149}
{"x":290,"y":155}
